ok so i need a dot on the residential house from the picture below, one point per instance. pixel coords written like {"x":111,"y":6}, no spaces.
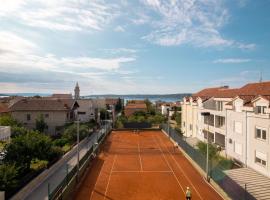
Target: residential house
{"x":131,"y":108}
{"x":3,"y":109}
{"x":62,"y":96}
{"x":56,"y":113}
{"x":85,"y":111}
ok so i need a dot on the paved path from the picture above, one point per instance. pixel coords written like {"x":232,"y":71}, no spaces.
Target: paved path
{"x":41,"y":191}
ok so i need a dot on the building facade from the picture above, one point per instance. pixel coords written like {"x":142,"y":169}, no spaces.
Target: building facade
{"x":56,"y":113}
{"x":238,"y":122}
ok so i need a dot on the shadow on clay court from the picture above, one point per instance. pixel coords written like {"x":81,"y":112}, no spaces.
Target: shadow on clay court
{"x":95,"y":165}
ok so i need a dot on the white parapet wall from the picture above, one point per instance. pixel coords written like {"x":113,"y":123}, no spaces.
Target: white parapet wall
{"x":5,"y":133}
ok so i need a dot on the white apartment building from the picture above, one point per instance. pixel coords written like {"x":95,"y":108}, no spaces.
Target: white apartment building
{"x":239,"y":122}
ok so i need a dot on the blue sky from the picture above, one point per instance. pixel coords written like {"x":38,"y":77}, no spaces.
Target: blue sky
{"x":132,"y":47}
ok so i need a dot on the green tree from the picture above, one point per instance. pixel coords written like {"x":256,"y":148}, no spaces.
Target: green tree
{"x":104,"y":114}
{"x":150,"y":108}
{"x":118,"y":106}
{"x":17,"y":130}
{"x":8,"y":177}
{"x":178,"y":118}
{"x":213,"y":151}
{"x":41,"y":125}
{"x":24,"y":148}
{"x":158,"y":119}
{"x":8,"y":120}
{"x":70,"y":133}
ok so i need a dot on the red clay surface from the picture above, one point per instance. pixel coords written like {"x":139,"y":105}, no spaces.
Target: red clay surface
{"x":143,"y":166}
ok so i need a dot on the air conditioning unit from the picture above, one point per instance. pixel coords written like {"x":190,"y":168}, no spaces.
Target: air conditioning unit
{"x":230,"y":141}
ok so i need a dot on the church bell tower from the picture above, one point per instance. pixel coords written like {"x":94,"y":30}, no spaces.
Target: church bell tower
{"x":77,"y":91}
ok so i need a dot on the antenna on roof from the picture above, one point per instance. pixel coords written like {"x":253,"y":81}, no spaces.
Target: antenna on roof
{"x":261,"y":79}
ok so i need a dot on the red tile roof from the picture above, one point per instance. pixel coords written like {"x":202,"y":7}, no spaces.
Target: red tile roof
{"x":255,"y":89}
{"x":136,"y":105}
{"x":42,"y":105}
{"x":62,"y":96}
{"x":251,"y":89}
{"x":4,"y":108}
{"x":218,"y":92}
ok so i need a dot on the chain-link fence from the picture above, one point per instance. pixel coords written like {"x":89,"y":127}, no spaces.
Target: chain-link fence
{"x":73,"y":175}
{"x":216,"y":168}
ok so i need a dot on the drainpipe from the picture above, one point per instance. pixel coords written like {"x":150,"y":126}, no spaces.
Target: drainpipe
{"x":246,"y":157}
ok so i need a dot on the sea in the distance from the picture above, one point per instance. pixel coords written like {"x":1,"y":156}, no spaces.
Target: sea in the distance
{"x":152,"y":98}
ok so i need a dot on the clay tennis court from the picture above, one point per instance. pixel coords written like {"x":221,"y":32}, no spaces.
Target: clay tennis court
{"x":142,"y":166}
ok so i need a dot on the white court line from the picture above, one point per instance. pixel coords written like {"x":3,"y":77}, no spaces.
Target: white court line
{"x":140,"y":158}
{"x":109,"y":177}
{"x":99,"y":172}
{"x":96,"y":181}
{"x":181,"y":169}
{"x":169,"y":166}
{"x":142,"y":172}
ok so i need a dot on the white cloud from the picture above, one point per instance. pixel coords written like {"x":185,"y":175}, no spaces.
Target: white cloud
{"x":17,"y":53}
{"x":119,"y":29}
{"x":189,"y":22}
{"x":140,"y":18}
{"x":232,"y":60}
{"x":10,"y":42}
{"x":64,"y":15}
{"x":114,"y":51}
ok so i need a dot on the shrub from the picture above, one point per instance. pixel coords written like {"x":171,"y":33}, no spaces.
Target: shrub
{"x":37,"y":164}
{"x":8,"y":120}
{"x":8,"y":177}
{"x":60,"y":142}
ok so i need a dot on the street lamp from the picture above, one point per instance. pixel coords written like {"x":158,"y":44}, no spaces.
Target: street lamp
{"x":207,"y":114}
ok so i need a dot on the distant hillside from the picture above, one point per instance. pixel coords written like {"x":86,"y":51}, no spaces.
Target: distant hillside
{"x":152,"y":97}
{"x":25,"y":94}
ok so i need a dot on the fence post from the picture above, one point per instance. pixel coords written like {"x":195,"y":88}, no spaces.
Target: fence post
{"x":245,"y":191}
{"x":66,"y":174}
{"x":49,"y":191}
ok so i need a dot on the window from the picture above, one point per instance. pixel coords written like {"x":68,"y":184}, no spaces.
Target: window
{"x":238,"y":148}
{"x":220,"y":121}
{"x":237,"y":127}
{"x":219,"y":105}
{"x":81,"y":113}
{"x":260,"y":133}
{"x":184,"y":124}
{"x":28,"y":117}
{"x":260,"y":109}
{"x":47,"y":115}
{"x":260,"y":158}
{"x":190,"y":127}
